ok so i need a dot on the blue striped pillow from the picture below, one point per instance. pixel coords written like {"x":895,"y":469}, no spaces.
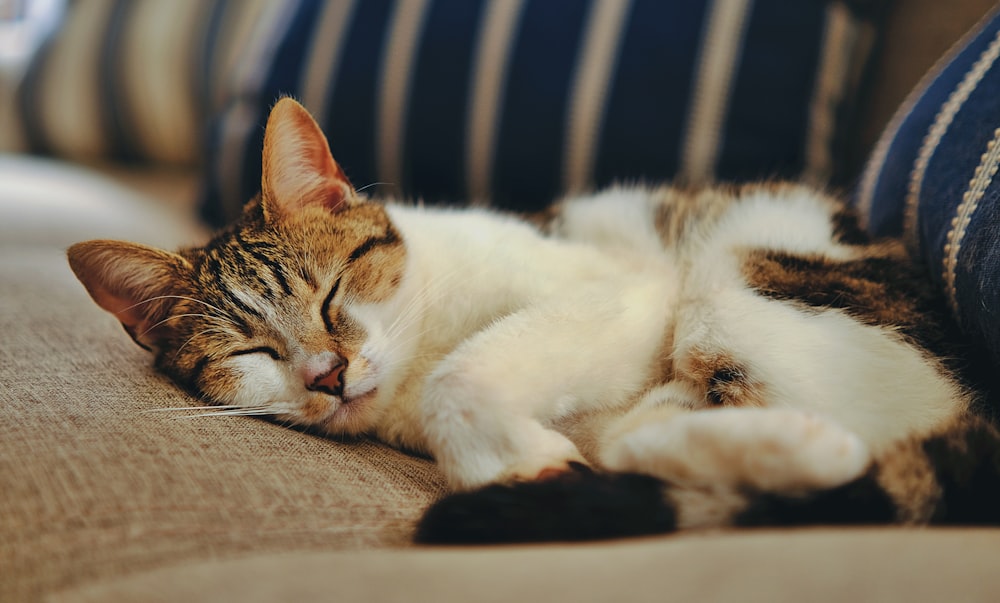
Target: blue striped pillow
{"x":519,"y":101}
{"x":134,"y":80}
{"x":933,"y":179}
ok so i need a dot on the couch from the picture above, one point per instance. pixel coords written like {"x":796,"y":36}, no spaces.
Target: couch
{"x":105,"y":496}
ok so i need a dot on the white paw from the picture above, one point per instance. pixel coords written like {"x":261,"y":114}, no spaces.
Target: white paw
{"x":767,"y":449}
{"x":525,"y":452}
{"x":548,"y":454}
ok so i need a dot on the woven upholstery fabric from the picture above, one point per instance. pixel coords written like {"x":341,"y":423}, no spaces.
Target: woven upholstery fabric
{"x":134,"y":80}
{"x":94,"y":485}
{"x":933,"y":179}
{"x":773,"y":566}
{"x":517,"y":102}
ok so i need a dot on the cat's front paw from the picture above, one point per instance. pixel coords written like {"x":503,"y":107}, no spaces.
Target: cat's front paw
{"x":504,"y":448}
{"x":546,"y":454}
{"x":541,"y":471}
{"x":764,"y":449}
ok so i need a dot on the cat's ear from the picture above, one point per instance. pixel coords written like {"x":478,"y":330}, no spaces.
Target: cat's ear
{"x":298,"y":170}
{"x":135,"y":283}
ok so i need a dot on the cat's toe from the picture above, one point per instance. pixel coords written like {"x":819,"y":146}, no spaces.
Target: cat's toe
{"x":551,"y":473}
{"x":787,"y":449}
{"x":540,"y":470}
{"x":546,"y":455}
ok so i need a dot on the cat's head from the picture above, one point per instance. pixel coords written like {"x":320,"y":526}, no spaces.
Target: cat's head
{"x":290,"y":311}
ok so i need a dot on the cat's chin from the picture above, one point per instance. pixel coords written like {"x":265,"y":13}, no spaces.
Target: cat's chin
{"x":354,"y":415}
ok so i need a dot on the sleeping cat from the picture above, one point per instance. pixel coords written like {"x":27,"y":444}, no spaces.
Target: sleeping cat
{"x":638,"y":360}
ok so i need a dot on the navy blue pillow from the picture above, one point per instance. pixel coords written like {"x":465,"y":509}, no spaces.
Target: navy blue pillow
{"x":516,"y":102}
{"x":933,"y":179}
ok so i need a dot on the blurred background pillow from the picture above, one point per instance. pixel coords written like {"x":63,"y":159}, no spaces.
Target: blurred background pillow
{"x":932,"y":179}
{"x":516,"y":102}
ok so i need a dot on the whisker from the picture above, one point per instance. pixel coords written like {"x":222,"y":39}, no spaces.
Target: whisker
{"x":209,"y":414}
{"x":219,"y":315}
{"x":414,"y":337}
{"x":367,"y":186}
{"x":176,"y":316}
{"x":240,"y":412}
{"x":188,"y":408}
{"x":195,"y":336}
{"x":417,"y":301}
{"x":222,"y":312}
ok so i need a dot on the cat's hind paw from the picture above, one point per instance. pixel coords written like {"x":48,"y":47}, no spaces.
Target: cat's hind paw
{"x":762,"y":449}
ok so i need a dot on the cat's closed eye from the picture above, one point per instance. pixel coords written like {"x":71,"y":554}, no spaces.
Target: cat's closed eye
{"x":327,"y":302}
{"x":273,"y":353}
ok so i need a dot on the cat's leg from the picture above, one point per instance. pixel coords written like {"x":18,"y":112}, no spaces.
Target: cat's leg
{"x":762,"y":449}
{"x":475,"y":440}
{"x":487,"y":408}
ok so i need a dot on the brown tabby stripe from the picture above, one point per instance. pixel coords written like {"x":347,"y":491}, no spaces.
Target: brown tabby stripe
{"x":249,"y":272}
{"x":327,"y":321}
{"x":389,"y":238}
{"x":215,"y":268}
{"x":878,"y":291}
{"x":678,"y":211}
{"x":966,"y":461}
{"x":846,"y":229}
{"x":308,"y":278}
{"x":857,"y":286}
{"x":276,"y":267}
{"x":908,"y":476}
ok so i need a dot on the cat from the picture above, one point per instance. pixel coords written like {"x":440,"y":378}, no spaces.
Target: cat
{"x":637,"y":360}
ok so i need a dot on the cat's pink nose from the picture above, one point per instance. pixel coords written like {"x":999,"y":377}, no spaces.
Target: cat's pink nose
{"x":328,"y":379}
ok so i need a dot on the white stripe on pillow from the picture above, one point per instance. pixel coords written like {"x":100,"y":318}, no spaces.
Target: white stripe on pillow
{"x":324,"y":58}
{"x":941,"y":123}
{"x":156,"y":79}
{"x":717,"y":60}
{"x":137,"y":80}
{"x":495,"y":42}
{"x":238,"y":29}
{"x":237,"y":126}
{"x":831,"y":83}
{"x":394,"y":87}
{"x":605,"y":26}
{"x":985,"y":172}
{"x":865,"y":195}
{"x":68,"y":98}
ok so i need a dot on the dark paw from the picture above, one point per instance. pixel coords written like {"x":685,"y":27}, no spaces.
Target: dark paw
{"x":579,"y":504}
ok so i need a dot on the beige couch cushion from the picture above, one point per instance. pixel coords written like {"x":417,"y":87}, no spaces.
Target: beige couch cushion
{"x":879,"y":565}
{"x":52,"y":203}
